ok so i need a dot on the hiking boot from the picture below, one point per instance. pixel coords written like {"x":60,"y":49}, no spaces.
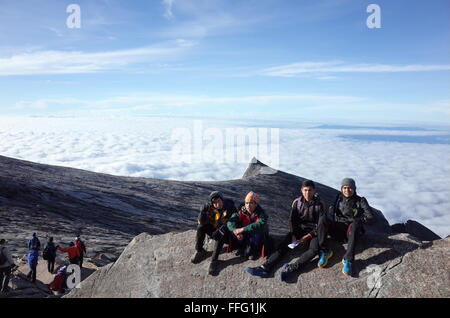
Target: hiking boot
{"x":347,"y":268}
{"x":213,"y":268}
{"x":239,"y":252}
{"x":286,"y":271}
{"x":198,"y":256}
{"x":248,"y":252}
{"x":324,"y":257}
{"x":257,"y":271}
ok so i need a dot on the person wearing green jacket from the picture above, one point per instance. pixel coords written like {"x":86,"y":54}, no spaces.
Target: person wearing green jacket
{"x":249,"y":227}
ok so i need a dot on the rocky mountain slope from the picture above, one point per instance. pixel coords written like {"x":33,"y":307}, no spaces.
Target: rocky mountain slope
{"x":109,"y":211}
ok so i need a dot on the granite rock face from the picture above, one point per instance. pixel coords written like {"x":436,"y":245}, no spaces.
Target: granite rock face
{"x":108,"y":211}
{"x":416,"y":229}
{"x":386,"y":266}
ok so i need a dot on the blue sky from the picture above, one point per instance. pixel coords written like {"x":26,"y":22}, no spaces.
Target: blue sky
{"x":314,"y":60}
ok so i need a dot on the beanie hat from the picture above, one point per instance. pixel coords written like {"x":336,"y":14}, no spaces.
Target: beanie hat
{"x":252,"y":196}
{"x":348,"y":182}
{"x":215,"y":195}
{"x":308,"y":183}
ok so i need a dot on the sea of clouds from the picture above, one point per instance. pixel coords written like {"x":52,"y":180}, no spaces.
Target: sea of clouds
{"x":404,"y":172}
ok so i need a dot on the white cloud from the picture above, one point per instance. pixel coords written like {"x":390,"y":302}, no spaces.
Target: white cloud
{"x":73,"y":62}
{"x":404,"y":180}
{"x":168,"y":14}
{"x":318,"y":69}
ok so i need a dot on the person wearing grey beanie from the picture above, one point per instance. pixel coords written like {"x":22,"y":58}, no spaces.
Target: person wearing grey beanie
{"x":345,"y":223}
{"x":349,"y":182}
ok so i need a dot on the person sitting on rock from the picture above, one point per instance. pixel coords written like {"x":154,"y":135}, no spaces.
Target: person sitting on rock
{"x":249,"y":227}
{"x":345,"y":222}
{"x":81,"y":248}
{"x":212,"y":221}
{"x":72,"y":252}
{"x":306,"y":211}
{"x":6,"y":265}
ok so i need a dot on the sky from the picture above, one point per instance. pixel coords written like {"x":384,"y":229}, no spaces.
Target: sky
{"x":227,"y":58}
{"x":129,"y":87}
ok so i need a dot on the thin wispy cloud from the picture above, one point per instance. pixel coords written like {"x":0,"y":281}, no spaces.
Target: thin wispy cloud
{"x":78,"y":62}
{"x":200,"y":19}
{"x":320,"y":68}
{"x":158,"y":100}
{"x":168,"y":14}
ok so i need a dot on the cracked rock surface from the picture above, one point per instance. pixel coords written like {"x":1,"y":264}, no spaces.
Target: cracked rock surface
{"x":385,"y":266}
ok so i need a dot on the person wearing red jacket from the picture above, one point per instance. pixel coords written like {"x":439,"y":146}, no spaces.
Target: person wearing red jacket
{"x":81,"y":248}
{"x":73,"y":252}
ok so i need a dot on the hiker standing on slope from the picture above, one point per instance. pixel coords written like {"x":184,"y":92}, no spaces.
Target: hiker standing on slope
{"x":345,"y":223}
{"x":72,"y":252}
{"x":212,"y":221}
{"x":49,"y":253}
{"x":34,"y":246}
{"x":306,"y":211}
{"x":249,"y":227}
{"x":81,"y":248}
{"x":6,"y":265}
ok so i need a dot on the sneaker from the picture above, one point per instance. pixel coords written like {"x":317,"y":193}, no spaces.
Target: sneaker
{"x":257,"y":271}
{"x":286,"y":270}
{"x":198,"y":256}
{"x":213,"y":268}
{"x":324,"y":257}
{"x":347,"y":268}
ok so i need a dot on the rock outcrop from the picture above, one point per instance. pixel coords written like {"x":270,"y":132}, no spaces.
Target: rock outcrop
{"x":416,"y":229}
{"x":386,"y":266}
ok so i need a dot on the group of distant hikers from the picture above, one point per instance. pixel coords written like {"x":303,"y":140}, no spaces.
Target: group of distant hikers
{"x":75,"y":253}
{"x":246,"y":229}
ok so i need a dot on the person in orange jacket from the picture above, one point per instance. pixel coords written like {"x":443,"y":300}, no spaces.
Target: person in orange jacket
{"x":73,"y":252}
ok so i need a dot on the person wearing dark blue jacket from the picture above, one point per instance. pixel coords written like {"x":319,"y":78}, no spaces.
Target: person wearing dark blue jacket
{"x":33,"y":255}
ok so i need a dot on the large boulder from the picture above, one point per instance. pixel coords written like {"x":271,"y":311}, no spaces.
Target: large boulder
{"x":386,"y":266}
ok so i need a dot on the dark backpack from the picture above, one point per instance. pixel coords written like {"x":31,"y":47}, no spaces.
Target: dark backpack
{"x":46,"y":253}
{"x":3,"y":258}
